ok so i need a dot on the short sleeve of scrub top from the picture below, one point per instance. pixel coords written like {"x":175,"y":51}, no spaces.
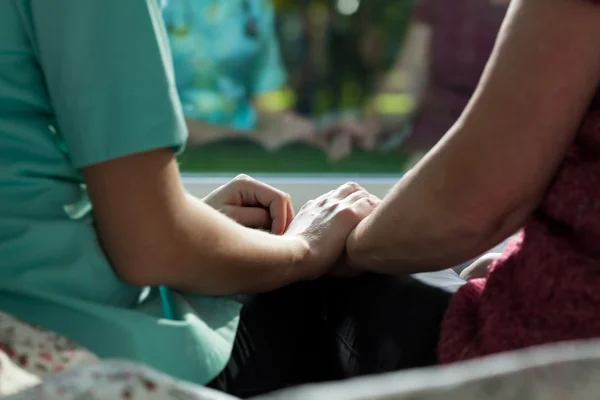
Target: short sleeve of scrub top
{"x":82,"y":82}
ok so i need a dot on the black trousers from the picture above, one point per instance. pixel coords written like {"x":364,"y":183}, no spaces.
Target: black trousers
{"x":332,"y":329}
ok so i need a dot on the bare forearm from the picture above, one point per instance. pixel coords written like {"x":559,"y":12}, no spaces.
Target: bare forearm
{"x":210,"y":254}
{"x":425,"y":232}
{"x":236,"y":259}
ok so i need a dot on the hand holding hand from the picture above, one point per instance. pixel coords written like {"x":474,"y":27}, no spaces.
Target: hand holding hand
{"x":325,"y":223}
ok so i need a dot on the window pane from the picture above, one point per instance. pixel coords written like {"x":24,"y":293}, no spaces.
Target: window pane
{"x":339,"y":86}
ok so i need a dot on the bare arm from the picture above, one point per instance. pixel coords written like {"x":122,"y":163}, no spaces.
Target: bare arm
{"x":487,"y":175}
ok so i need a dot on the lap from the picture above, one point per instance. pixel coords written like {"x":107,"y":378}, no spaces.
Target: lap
{"x":337,"y":328}
{"x":277,"y":342}
{"x":379,"y":324}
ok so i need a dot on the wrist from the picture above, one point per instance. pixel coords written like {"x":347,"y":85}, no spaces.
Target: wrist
{"x":300,"y":266}
{"x":357,"y":250}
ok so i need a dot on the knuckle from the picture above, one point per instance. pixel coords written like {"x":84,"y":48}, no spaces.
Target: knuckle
{"x":347,"y":213}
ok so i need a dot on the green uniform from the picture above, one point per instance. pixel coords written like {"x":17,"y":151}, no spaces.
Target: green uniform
{"x":82,"y":82}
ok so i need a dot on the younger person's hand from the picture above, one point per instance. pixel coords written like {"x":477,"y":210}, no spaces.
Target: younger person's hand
{"x":325,"y":223}
{"x":253,"y":204}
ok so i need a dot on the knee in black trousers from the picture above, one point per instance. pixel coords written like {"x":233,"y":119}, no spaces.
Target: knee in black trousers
{"x":379,"y":324}
{"x":333,"y":329}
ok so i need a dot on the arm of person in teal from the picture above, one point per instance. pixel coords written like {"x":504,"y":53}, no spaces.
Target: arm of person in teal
{"x":276,"y":124}
{"x":109,"y":77}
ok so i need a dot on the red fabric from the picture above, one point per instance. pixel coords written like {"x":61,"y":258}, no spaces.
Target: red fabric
{"x":546,"y":286}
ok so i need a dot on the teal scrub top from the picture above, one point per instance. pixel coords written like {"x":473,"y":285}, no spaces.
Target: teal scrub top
{"x":224,"y":53}
{"x":82,"y":82}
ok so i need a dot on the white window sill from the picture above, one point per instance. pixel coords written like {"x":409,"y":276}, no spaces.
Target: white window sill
{"x":301,"y":187}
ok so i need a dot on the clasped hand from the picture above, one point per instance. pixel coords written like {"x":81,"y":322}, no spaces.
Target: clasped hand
{"x":324,"y":223}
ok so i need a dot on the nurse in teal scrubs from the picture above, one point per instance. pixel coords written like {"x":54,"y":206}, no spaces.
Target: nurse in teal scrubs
{"x":89,"y":116}
{"x":229,"y":72}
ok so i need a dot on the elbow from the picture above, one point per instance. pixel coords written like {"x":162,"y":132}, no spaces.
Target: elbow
{"x":134,"y":274}
{"x":141,"y":270}
{"x":143,"y":264}
{"x":495,"y":220}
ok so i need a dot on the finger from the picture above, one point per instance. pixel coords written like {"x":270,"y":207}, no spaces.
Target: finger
{"x":251,"y":217}
{"x":346,"y":190}
{"x":354,"y":197}
{"x":278,"y":211}
{"x":281,"y":220}
{"x":364,"y":207}
{"x":290,"y":214}
{"x":256,"y":193}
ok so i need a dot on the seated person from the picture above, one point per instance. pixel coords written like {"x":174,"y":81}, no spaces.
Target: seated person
{"x":524,"y":155}
{"x":229,"y":73}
